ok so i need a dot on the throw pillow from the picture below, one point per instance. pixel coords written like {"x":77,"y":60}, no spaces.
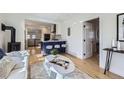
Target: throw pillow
{"x":6,"y":66}
{"x":2,"y":53}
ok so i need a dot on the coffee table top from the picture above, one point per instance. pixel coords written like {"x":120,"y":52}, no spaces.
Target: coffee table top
{"x":60,"y":69}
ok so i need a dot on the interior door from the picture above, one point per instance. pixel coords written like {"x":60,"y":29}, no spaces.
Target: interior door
{"x":87,"y":40}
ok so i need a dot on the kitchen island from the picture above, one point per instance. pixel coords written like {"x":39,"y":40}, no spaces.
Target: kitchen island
{"x":48,"y":46}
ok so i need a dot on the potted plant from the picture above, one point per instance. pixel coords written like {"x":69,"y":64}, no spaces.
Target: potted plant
{"x":54,"y":52}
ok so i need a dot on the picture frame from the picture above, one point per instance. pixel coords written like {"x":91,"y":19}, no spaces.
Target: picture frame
{"x":69,"y":31}
{"x":120,"y":27}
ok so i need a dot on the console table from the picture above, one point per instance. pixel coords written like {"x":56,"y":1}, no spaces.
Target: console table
{"x":109,"y":57}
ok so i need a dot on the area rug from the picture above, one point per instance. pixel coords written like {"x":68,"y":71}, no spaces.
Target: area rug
{"x":37,"y":71}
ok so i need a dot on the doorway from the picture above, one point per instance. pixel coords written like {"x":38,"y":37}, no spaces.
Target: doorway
{"x":33,"y":40}
{"x":91,"y":39}
{"x":35,"y":34}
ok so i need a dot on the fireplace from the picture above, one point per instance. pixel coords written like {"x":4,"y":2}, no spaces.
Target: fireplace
{"x":13,"y":45}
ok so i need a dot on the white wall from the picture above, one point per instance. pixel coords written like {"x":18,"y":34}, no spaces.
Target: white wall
{"x":18,"y":21}
{"x":107,"y":33}
{"x":58,"y":28}
{"x":75,"y":41}
{"x":2,"y":35}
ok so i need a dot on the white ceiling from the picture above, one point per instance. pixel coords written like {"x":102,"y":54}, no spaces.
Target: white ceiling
{"x":54,"y":16}
{"x":50,"y":17}
{"x":32,"y":23}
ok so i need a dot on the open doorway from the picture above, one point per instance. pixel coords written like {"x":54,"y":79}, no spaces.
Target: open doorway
{"x":91,"y":39}
{"x":35,"y":33}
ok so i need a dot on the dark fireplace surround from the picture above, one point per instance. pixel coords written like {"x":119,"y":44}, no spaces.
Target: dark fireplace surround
{"x":12,"y":45}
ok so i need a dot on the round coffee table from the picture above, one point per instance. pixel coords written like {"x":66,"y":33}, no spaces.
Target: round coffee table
{"x":58,"y":71}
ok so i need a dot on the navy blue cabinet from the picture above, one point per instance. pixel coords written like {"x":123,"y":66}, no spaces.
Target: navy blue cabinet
{"x":47,"y":46}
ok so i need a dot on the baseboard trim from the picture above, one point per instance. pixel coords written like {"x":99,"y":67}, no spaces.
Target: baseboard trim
{"x":73,"y":56}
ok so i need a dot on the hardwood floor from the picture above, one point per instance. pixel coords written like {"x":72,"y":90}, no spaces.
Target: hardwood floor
{"x":35,"y":55}
{"x":89,"y":66}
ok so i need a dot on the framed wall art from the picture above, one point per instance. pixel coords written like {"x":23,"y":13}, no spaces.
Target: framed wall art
{"x":69,"y":31}
{"x":120,"y":27}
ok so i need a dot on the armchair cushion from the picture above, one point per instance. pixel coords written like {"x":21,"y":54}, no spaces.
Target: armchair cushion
{"x":18,"y":62}
{"x":6,"y":66}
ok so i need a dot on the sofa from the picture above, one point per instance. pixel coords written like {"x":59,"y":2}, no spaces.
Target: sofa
{"x":19,"y":72}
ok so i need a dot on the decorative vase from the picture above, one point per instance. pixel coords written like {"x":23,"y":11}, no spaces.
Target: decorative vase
{"x":114,"y":44}
{"x":118,"y":45}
